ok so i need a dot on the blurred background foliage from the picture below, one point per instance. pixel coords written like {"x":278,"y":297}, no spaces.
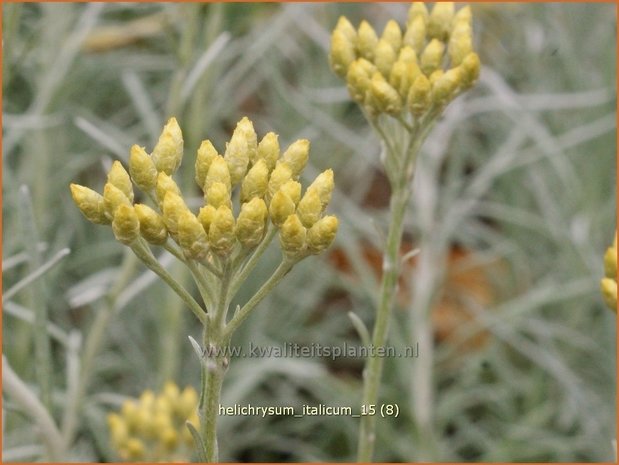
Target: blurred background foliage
{"x":514,"y":196}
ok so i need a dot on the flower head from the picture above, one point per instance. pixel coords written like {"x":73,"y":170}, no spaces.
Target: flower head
{"x":381,"y":72}
{"x":268,"y":189}
{"x":152,"y":428}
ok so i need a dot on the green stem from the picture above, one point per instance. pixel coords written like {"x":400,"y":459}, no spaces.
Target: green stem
{"x":242,"y":275}
{"x":374,"y":365}
{"x":203,"y":284}
{"x":214,"y":366}
{"x":400,"y":185}
{"x":143,"y":253}
{"x":213,"y":370}
{"x":240,"y":316}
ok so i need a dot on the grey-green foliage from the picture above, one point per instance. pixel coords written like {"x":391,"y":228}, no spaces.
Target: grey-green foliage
{"x":521,"y":169}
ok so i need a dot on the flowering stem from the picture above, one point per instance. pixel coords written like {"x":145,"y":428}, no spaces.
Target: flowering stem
{"x":143,"y":253}
{"x":374,"y":365}
{"x":253,"y":260}
{"x":400,"y":185}
{"x":214,"y":365}
{"x":240,"y":316}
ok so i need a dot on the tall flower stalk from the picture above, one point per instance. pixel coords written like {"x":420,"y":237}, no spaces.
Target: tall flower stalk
{"x":251,"y":194}
{"x":402,"y":81}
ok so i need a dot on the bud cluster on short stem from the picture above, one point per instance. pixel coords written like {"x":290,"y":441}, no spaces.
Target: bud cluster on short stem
{"x":402,"y":81}
{"x":222,"y":242}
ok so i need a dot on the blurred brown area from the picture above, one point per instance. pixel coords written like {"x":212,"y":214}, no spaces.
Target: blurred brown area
{"x":466,"y":282}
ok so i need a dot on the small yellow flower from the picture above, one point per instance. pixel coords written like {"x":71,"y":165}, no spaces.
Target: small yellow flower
{"x":608,"y":284}
{"x":142,"y":168}
{"x":381,"y":73}
{"x":90,"y":203}
{"x":153,"y":427}
{"x":168,"y":153}
{"x":205,"y":156}
{"x":125,"y":224}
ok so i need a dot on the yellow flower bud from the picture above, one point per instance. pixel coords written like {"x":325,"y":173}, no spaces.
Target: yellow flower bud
{"x":218,"y":172}
{"x":309,"y":208}
{"x":281,"y":207}
{"x":113,"y":197}
{"x":609,"y":292}
{"x":432,"y":56}
{"x":407,"y":55}
{"x":188,"y":402}
{"x":463,"y":15}
{"x":90,"y":203}
{"x":419,"y":96}
{"x":460,"y":43}
{"x":152,"y":227}
{"x":415,"y":34}
{"x":119,"y":177}
{"x":359,"y":78}
{"x":470,"y":70}
{"x":142,"y":169}
{"x":268,"y":150}
{"x":385,"y":57}
{"x":125,"y":225}
{"x":400,"y":77}
{"x":255,"y":182}
{"x":250,"y":224}
{"x":206,"y":154}
{"x":293,"y":190}
{"x":445,"y":87}
{"x":168,"y":153}
{"x":418,"y":9}
{"x":242,"y":145}
{"x":192,"y":238}
{"x":169,"y":438}
{"x":129,"y":412}
{"x":610,"y":261}
{"x":119,"y":432}
{"x":221,"y":231}
{"x":321,"y":234}
{"x":173,"y":207}
{"x":296,"y":156}
{"x":133,"y":449}
{"x":247,"y":129}
{"x":366,"y":41}
{"x":206,"y":216}
{"x":280,"y":175}
{"x":218,"y":195}
{"x":165,"y":184}
{"x":292,"y":236}
{"x":441,"y":17}
{"x":435,"y":76}
{"x":323,"y":186}
{"x":344,"y":26}
{"x":342,"y":53}
{"x":384,"y":98}
{"x":392,"y":34}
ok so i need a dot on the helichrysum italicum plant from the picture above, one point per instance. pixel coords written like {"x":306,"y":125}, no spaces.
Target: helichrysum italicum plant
{"x":251,"y":193}
{"x":402,"y":81}
{"x":152,"y":428}
{"x":609,"y":282}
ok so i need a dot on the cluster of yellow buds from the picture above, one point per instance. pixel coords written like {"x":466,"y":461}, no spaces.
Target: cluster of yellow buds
{"x":609,"y":282}
{"x":268,"y":187}
{"x":414,"y":70}
{"x":153,"y":428}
